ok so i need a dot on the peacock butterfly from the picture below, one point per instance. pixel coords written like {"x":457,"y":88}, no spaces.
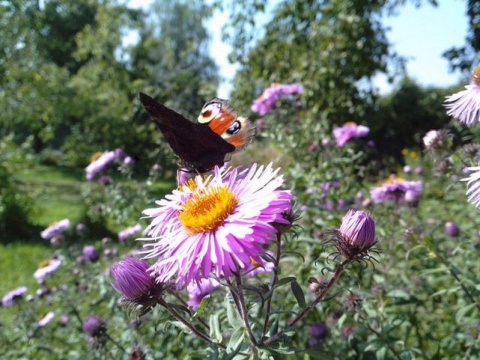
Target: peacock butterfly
{"x":219,"y":133}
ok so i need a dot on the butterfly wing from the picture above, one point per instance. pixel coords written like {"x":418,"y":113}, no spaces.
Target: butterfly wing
{"x":197,"y":145}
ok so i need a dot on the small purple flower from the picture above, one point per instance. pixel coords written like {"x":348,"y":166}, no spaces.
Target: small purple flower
{"x":105,"y":180}
{"x":465,"y":105}
{"x":318,"y":332}
{"x":132,"y":280}
{"x":129,"y":161}
{"x":358,"y":230}
{"x":395,"y":190}
{"x":91,"y":254}
{"x":129,"y":232}
{"x":313,"y":147}
{"x":452,"y":229}
{"x":13,"y":296}
{"x":100,"y":164}
{"x":419,"y":170}
{"x":197,"y":291}
{"x":270,"y":96}
{"x":47,"y":319}
{"x":81,"y":228}
{"x":94,"y":326}
{"x":47,"y":268}
{"x":407,"y":169}
{"x":349,"y":131}
{"x":55,"y":229}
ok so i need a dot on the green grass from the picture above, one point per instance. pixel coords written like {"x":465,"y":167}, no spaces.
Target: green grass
{"x":56,"y":193}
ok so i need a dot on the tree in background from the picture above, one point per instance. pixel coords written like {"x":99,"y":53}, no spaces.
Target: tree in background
{"x":462,"y":58}
{"x":68,"y":78}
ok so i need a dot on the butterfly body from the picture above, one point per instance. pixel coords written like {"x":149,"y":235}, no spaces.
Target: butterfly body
{"x":210,"y":142}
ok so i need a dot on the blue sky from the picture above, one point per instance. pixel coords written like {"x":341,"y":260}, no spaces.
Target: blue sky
{"x":420,"y":34}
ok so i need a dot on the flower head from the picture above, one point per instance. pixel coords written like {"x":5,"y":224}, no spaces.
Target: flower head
{"x":101,"y":162}
{"x":436,"y":139}
{"x":397,"y":190}
{"x":132,"y":280}
{"x":357,"y":232}
{"x":13,"y":296}
{"x":94,"y":326}
{"x":55,"y":229}
{"x":452,"y":229}
{"x":47,"y":319}
{"x":90,"y":253}
{"x":268,"y":100}
{"x":129,"y":232}
{"x":473,"y":185}
{"x":349,"y":131}
{"x":197,"y":291}
{"x":217,"y":224}
{"x":465,"y":105}
{"x":47,"y":268}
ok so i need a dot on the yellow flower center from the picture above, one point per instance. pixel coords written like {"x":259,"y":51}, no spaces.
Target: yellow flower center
{"x":393,"y":179}
{"x":207,"y":209}
{"x":96,"y":156}
{"x":44,"y":263}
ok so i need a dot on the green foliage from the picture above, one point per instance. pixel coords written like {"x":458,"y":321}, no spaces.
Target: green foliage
{"x":15,"y":202}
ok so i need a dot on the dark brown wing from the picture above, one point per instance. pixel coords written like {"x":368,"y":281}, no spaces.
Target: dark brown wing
{"x":197,"y":145}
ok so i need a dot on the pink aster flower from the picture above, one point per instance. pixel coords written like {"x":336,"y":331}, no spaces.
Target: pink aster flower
{"x":13,"y":296}
{"x":100,"y":161}
{"x":216,"y":225}
{"x":397,"y":190}
{"x":473,"y":185}
{"x":47,"y":268}
{"x":55,"y":229}
{"x":268,"y":100}
{"x":465,"y":105}
{"x":129,"y":232}
{"x":349,"y":131}
{"x":47,"y":319}
{"x":198,"y":290}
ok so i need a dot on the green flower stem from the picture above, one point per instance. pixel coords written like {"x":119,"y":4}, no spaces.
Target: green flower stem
{"x":185,"y":322}
{"x":179,"y":298}
{"x":273,"y":284}
{"x":310,"y":306}
{"x":243,"y":309}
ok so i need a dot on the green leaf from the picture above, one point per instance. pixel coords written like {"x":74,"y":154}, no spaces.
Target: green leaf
{"x":298,"y":293}
{"x":215,"y":332}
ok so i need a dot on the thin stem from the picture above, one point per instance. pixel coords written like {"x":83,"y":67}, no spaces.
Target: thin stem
{"x":185,"y":322}
{"x":312,"y":305}
{"x":272,"y":286}
{"x":243,"y":309}
{"x":179,"y":298}
{"x":116,"y":343}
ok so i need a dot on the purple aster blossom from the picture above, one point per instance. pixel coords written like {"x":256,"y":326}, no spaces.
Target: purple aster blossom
{"x":436,"y":139}
{"x":197,"y":291}
{"x":465,"y":105}
{"x":452,"y":229}
{"x":90,"y":253}
{"x":55,"y":229}
{"x":94,"y":326}
{"x":129,"y":161}
{"x":47,"y":319}
{"x":13,"y":296}
{"x":358,"y":230}
{"x":130,"y":278}
{"x":268,"y":100}
{"x":473,"y":185}
{"x":216,"y":225}
{"x":349,"y":131}
{"x":129,"y":232}
{"x":100,"y":164}
{"x":47,"y":268}
{"x":396,"y":189}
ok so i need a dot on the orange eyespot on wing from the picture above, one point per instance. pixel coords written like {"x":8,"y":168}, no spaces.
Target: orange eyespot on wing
{"x":224,"y":121}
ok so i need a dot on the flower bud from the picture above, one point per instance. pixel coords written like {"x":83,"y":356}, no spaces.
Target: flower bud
{"x":356,"y":234}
